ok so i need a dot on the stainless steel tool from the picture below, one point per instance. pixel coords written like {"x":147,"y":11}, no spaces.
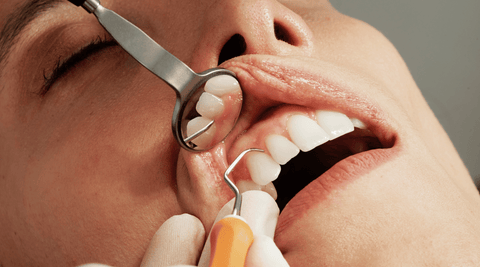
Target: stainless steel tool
{"x":187,"y":84}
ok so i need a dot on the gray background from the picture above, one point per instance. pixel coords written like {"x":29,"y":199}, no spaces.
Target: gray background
{"x":440,"y":42}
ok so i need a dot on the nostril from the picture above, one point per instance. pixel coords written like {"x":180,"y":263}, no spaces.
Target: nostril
{"x":234,"y":47}
{"x":282,"y":34}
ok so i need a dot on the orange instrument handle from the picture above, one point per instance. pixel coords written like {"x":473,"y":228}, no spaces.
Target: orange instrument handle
{"x":230,"y":239}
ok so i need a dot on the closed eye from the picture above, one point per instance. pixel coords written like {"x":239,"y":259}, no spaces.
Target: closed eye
{"x":63,"y":66}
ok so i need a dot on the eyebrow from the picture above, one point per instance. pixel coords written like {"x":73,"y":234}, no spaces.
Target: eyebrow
{"x":17,"y":21}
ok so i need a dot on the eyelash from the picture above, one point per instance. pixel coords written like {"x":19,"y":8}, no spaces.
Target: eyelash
{"x":64,"y":66}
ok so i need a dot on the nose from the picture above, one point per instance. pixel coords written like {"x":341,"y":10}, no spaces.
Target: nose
{"x":240,"y":27}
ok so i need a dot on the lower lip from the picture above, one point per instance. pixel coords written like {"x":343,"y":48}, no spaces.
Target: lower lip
{"x":335,"y":178}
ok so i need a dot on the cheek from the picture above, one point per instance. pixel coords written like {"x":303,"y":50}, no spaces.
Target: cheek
{"x":90,"y":202}
{"x":354,"y":44}
{"x":101,"y":171}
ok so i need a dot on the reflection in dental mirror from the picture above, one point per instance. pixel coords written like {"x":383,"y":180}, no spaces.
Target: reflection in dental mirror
{"x":212,"y":112}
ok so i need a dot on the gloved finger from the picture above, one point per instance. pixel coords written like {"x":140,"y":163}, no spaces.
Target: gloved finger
{"x":264,"y":253}
{"x":178,"y":241}
{"x":259,"y":210}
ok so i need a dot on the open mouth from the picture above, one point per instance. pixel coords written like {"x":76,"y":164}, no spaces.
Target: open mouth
{"x":317,"y":128}
{"x":300,"y":146}
{"x":308,"y":166}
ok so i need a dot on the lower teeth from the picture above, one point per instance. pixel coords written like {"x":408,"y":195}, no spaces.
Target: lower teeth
{"x":247,"y":185}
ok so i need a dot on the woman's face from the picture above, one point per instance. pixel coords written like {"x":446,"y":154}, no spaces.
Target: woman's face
{"x":89,"y":168}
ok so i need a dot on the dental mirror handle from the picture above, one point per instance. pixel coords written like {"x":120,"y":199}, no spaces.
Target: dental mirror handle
{"x":141,"y":47}
{"x":230,"y":239}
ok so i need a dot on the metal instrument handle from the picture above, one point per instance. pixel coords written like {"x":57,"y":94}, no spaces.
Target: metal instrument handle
{"x":143,"y":48}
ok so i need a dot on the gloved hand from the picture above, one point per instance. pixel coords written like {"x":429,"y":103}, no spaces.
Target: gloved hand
{"x":261,"y":213}
{"x":180,"y":240}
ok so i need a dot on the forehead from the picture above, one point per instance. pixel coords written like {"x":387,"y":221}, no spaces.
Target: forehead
{"x":15,"y":16}
{"x":21,"y":10}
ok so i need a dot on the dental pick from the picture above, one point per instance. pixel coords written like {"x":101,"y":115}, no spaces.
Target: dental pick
{"x":231,"y":237}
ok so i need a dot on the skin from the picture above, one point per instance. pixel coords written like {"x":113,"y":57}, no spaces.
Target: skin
{"x":90,"y":171}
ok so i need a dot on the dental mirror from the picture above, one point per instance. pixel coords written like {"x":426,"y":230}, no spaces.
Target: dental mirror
{"x":208,"y":103}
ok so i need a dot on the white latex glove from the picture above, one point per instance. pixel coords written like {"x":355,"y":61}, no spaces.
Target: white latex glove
{"x":261,"y":212}
{"x":179,"y":241}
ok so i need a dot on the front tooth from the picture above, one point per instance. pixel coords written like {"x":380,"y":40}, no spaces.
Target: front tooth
{"x":334,"y":123}
{"x":195,"y":125}
{"x":281,"y":149}
{"x":263,"y":169}
{"x":306,"y":133}
{"x":358,"y":123}
{"x":209,"y":106}
{"x":221,"y":85}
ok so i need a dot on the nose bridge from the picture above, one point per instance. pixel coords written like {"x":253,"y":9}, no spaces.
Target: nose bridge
{"x":253,"y":27}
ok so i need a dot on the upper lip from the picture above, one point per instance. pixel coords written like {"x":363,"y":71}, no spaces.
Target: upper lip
{"x":271,"y":81}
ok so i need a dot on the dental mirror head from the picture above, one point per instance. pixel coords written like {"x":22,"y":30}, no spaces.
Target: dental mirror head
{"x":208,"y":103}
{"x":210,"y":111}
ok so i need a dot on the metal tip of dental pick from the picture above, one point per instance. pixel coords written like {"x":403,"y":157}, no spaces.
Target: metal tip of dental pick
{"x":238,"y":196}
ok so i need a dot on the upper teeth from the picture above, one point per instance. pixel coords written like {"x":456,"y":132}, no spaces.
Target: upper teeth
{"x":334,"y":123}
{"x":196,"y":125}
{"x":305,"y":134}
{"x":281,"y":149}
{"x":263,"y":169}
{"x":210,"y":106}
{"x":358,"y":123}
{"x":222,"y":85}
